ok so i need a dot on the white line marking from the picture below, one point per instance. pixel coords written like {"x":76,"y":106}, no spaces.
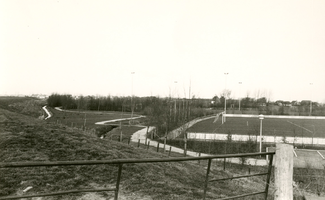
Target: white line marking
{"x":300,"y":126}
{"x":320,"y":154}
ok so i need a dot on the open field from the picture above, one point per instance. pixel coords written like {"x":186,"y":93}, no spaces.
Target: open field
{"x":271,"y":127}
{"x":89,"y":118}
{"x":77,"y":119}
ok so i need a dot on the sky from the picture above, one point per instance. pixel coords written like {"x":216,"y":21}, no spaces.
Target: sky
{"x":177,"y":48}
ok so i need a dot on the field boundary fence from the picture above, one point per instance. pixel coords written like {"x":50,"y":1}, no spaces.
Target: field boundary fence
{"x":276,"y":116}
{"x":121,"y":162}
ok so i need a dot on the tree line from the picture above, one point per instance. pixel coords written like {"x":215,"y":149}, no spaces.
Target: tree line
{"x":263,"y":105}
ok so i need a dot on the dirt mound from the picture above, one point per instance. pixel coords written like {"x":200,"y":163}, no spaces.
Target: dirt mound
{"x":31,"y":107}
{"x":23,"y":105}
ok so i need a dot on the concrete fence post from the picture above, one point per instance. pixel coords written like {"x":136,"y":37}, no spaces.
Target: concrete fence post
{"x":283,"y":172}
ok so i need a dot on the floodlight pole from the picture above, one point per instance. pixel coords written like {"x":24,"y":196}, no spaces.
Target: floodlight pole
{"x":239,"y":95}
{"x":261,"y":117}
{"x":311,"y":102}
{"x":225,"y":97}
{"x":312,"y":139}
{"x":132,"y":107}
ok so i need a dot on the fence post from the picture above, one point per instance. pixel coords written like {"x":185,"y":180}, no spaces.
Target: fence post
{"x":199,"y":156}
{"x":283,"y":172}
{"x":148,"y":145}
{"x":170,"y":150}
{"x":224,"y":164}
{"x":138,"y":143}
{"x":207,"y":179}
{"x":118,"y":181}
{"x":158,"y":147}
{"x":129,"y":140}
{"x":269,"y":171}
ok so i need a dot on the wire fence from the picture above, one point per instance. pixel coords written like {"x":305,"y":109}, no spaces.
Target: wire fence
{"x":121,"y":162}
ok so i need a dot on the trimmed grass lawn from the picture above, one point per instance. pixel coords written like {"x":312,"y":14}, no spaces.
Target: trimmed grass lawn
{"x":271,"y":127}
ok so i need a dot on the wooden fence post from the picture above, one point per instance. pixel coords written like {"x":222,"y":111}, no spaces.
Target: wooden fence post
{"x":158,"y":147}
{"x":148,"y":144}
{"x":138,"y":143}
{"x":118,"y":181}
{"x":170,"y":150}
{"x":207,"y":179}
{"x":199,"y":156}
{"x":283,"y":172}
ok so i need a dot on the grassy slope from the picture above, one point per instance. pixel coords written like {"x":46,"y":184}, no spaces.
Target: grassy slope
{"x":26,"y":139}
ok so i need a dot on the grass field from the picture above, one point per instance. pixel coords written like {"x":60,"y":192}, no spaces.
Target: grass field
{"x":271,"y":127}
{"x":77,"y":119}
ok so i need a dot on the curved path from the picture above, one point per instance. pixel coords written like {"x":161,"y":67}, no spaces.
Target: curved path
{"x":47,"y":112}
{"x":141,"y":134}
{"x":117,"y":120}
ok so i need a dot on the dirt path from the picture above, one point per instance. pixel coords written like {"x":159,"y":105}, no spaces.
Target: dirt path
{"x":117,"y":120}
{"x":47,"y":112}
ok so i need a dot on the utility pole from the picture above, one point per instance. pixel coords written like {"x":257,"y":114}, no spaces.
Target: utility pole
{"x":189,"y":101}
{"x":85,"y":121}
{"x":175,"y":108}
{"x":121,"y":132}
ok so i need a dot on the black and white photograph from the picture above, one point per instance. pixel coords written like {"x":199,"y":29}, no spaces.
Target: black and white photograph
{"x":155,"y":100}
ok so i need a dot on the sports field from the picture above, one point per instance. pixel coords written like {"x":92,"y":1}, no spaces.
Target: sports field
{"x":271,"y":127}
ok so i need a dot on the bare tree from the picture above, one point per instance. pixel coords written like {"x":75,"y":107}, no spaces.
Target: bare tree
{"x":269,"y":95}
{"x":226,"y":93}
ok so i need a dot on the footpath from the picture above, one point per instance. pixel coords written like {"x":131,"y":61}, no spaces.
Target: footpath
{"x":47,"y":112}
{"x":141,"y":135}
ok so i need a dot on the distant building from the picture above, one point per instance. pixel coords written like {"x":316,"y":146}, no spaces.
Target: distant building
{"x":279,"y":102}
{"x":295,"y":103}
{"x":287,"y":103}
{"x":40,"y":96}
